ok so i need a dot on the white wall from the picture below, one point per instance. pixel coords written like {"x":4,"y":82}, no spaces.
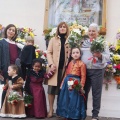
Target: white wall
{"x":24,"y":13}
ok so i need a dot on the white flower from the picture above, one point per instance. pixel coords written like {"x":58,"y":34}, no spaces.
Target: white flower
{"x":53,"y":31}
{"x":15,"y":93}
{"x":70,"y":83}
{"x":26,"y":105}
{"x":114,"y":70}
{"x":86,"y":29}
{"x":77,"y":31}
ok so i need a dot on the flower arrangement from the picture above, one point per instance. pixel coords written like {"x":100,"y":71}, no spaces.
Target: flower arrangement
{"x":77,"y":34}
{"x":49,"y":33}
{"x":98,"y":45}
{"x":24,"y":32}
{"x":43,"y":56}
{"x":108,"y":75}
{"x":116,"y":60}
{"x":28,"y":100}
{"x":14,"y":97}
{"x":75,"y":84}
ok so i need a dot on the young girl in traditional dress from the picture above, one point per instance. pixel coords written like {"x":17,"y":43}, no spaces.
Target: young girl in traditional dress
{"x":9,"y":109}
{"x":34,"y":87}
{"x":71,"y":102}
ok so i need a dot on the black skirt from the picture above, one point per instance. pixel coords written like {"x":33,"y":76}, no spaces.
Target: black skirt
{"x":54,"y":90}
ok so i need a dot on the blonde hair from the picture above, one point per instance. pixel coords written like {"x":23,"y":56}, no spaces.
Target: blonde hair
{"x":29,"y":39}
{"x":60,"y":24}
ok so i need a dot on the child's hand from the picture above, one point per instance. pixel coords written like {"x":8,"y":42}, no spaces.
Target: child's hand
{"x":82,"y":90}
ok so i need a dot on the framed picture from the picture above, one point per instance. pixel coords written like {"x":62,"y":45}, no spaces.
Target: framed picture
{"x":83,"y":11}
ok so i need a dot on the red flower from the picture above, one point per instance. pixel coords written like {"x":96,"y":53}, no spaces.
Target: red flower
{"x":45,"y":54}
{"x":73,"y":86}
{"x":76,"y":82}
{"x":14,"y":102}
{"x":118,"y":66}
{"x":29,"y":105}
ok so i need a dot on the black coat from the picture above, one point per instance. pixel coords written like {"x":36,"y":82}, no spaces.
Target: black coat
{"x":28,"y":54}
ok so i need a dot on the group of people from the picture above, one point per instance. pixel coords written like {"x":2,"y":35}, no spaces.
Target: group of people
{"x":75,"y":63}
{"x":19,"y":66}
{"x":65,"y":64}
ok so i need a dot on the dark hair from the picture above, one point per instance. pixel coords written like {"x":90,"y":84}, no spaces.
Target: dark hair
{"x":38,"y":60}
{"x":70,"y":57}
{"x":60,"y":24}
{"x":5,"y":32}
{"x":14,"y":67}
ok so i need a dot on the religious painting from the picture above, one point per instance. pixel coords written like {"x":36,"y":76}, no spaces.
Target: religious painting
{"x":82,"y":11}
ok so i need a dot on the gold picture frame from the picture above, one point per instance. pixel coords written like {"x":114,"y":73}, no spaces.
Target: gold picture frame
{"x":47,"y":13}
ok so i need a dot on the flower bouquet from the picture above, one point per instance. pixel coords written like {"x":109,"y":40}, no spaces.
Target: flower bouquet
{"x":74,"y":84}
{"x":14,"y":97}
{"x":77,"y":34}
{"x":98,"y":45}
{"x":108,"y":74}
{"x":28,"y":100}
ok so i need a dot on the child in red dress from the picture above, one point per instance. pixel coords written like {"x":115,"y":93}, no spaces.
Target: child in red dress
{"x":34,"y":87}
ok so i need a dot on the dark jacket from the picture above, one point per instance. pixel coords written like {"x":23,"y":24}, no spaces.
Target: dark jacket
{"x":28,"y":54}
{"x":5,"y":57}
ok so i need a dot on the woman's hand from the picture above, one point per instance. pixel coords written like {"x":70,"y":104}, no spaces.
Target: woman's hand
{"x":53,"y":67}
